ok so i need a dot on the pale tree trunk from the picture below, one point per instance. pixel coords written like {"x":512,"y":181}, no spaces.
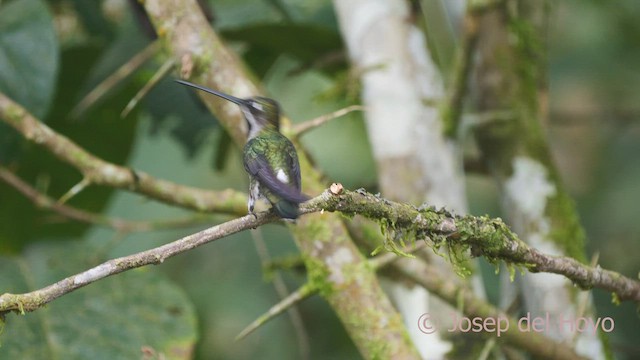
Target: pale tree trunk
{"x":415,"y":161}
{"x":511,"y":80}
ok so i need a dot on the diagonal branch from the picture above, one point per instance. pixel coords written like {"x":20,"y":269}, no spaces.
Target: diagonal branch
{"x":38,"y":298}
{"x":287,"y":303}
{"x":160,"y":74}
{"x":122,"y":225}
{"x":46,"y":202}
{"x":108,"y":84}
{"x":75,"y":190}
{"x":100,"y":172}
{"x":302,"y":128}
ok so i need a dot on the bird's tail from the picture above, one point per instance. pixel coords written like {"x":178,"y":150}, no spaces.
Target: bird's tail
{"x":286,"y":209}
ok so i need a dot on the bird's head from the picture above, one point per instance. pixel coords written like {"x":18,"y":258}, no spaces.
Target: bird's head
{"x":259,"y":112}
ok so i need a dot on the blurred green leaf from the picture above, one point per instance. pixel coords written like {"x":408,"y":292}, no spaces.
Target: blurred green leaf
{"x":92,"y":17}
{"x":128,"y":42}
{"x":28,"y":54}
{"x":308,"y":43}
{"x":179,"y":109}
{"x":114,"y":318}
{"x":28,"y":63}
{"x":102,"y":133}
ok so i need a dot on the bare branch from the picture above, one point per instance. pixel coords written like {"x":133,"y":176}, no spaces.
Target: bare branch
{"x":295,"y":297}
{"x":46,"y":202}
{"x":166,"y":67}
{"x":38,"y":298}
{"x":302,"y":128}
{"x":72,"y":213}
{"x":75,"y":190}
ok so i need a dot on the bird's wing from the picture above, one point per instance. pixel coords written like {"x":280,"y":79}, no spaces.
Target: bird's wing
{"x":259,"y":168}
{"x":294,"y":165}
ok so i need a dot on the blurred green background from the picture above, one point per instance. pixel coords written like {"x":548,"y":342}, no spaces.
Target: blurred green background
{"x":52,"y":53}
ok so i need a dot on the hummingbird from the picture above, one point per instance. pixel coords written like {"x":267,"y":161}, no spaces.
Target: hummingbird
{"x":269,"y":157}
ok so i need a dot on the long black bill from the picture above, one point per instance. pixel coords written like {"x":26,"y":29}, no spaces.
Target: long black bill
{"x":217,"y":93}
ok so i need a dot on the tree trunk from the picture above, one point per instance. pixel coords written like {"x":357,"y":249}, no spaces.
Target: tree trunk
{"x":415,"y":161}
{"x":511,"y":79}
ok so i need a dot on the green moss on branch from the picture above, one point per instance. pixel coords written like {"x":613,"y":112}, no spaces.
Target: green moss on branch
{"x":482,"y":236}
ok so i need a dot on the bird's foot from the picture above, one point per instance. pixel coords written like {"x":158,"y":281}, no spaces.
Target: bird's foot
{"x":255,"y":217}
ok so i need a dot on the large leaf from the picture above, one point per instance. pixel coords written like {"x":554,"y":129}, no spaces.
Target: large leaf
{"x":102,"y":132}
{"x":28,"y":54}
{"x":93,"y":19}
{"x":28,"y":63}
{"x":115,"y":318}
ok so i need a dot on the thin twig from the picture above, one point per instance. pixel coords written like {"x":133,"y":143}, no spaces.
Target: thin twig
{"x":302,"y":128}
{"x":112,"y":80}
{"x":166,"y":67}
{"x":46,"y":202}
{"x":584,"y":300}
{"x":75,"y":190}
{"x":486,"y":349}
{"x":295,"y":297}
{"x":387,"y":258}
{"x":121,"y":225}
{"x":289,"y":262}
{"x":283,"y":293}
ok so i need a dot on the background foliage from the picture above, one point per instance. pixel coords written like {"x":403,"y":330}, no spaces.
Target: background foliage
{"x":52,"y":53}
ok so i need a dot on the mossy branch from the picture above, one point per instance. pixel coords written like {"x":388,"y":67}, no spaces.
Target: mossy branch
{"x":483,"y":236}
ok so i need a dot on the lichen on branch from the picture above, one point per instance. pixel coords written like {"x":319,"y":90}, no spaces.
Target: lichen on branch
{"x":481,"y":235}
